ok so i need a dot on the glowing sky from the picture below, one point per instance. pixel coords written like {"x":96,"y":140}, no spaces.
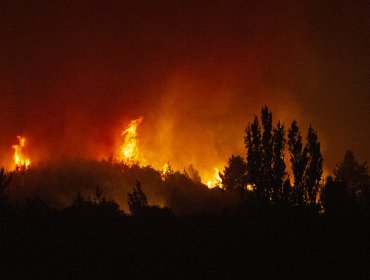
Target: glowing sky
{"x":74,"y":73}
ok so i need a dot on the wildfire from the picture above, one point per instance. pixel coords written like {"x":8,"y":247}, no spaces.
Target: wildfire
{"x":216,"y":181}
{"x":20,"y":161}
{"x":166,"y":170}
{"x":130,"y":149}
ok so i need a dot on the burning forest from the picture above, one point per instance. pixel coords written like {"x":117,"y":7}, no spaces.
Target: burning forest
{"x":59,"y":182}
{"x":279,"y":168}
{"x":184,"y":136}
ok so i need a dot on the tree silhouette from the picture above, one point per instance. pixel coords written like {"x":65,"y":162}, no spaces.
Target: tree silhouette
{"x":4,"y":183}
{"x":253,"y":145}
{"x":335,"y":196}
{"x":298,"y":160}
{"x":137,"y":200}
{"x":278,"y":164}
{"x":313,"y":170}
{"x":350,"y":171}
{"x":99,"y":208}
{"x":286,"y":193}
{"x":353,"y":174}
{"x":98,"y":195}
{"x":79,"y":201}
{"x":267,"y":152}
{"x":234,"y":177}
{"x":192,"y":173}
{"x":265,"y":156}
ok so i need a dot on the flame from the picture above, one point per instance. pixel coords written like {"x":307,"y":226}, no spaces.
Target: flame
{"x":166,"y":170}
{"x":20,"y":161}
{"x":250,"y":187}
{"x":130,"y":149}
{"x":216,"y":180}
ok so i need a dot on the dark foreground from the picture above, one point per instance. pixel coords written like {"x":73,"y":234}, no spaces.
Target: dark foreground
{"x":234,"y":244}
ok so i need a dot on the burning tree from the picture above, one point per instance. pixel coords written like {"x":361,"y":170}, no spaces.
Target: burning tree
{"x":130,"y":149}
{"x":20,"y":161}
{"x":216,"y":181}
{"x":166,"y":171}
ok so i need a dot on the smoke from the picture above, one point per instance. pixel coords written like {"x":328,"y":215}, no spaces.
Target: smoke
{"x":73,"y":76}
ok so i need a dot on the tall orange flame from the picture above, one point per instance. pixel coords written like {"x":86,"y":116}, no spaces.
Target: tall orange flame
{"x":20,"y":161}
{"x":216,"y":180}
{"x":130,"y":149}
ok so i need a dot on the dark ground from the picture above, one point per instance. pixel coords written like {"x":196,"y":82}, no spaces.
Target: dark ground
{"x":234,"y":244}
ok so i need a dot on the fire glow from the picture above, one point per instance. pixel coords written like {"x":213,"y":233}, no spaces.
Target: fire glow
{"x":130,"y":147}
{"x":216,"y":181}
{"x":20,"y":160}
{"x":166,"y":170}
{"x":130,"y":154}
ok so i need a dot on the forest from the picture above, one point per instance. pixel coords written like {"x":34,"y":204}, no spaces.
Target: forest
{"x":271,"y":214}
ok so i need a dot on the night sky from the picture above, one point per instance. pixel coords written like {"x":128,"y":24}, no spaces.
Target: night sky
{"x":74,"y":73}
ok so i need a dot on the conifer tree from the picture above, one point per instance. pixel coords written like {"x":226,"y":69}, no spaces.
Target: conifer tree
{"x":313,"y":168}
{"x":286,"y":193}
{"x":265,"y":156}
{"x":354,"y":175}
{"x":267,"y":152}
{"x":298,"y":161}
{"x":278,"y":163}
{"x":137,"y":200}
{"x":234,"y":177}
{"x":350,"y":171}
{"x":4,"y":183}
{"x":253,"y":145}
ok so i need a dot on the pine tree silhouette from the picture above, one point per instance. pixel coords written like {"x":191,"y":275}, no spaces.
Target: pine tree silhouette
{"x":298,"y":160}
{"x":279,"y":166}
{"x":267,"y":152}
{"x":313,"y":170}
{"x":4,"y":183}
{"x":355,"y":176}
{"x":234,"y":177}
{"x":265,"y":156}
{"x":137,"y":200}
{"x":253,"y":146}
